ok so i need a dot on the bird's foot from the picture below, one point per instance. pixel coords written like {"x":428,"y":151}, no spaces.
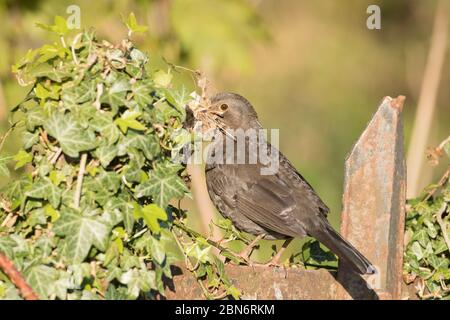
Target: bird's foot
{"x":245,"y":254}
{"x":275,"y":261}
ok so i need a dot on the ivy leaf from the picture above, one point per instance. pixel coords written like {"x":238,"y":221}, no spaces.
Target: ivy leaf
{"x":156,"y":249}
{"x":22,"y":158}
{"x":44,"y":93}
{"x":7,"y":245}
{"x":59,"y":27}
{"x":417,"y":250}
{"x":29,"y":139}
{"x":4,"y":171}
{"x":41,"y":278}
{"x":163,"y":185}
{"x":28,"y":58}
{"x":148,"y":144}
{"x":15,"y":191}
{"x":138,"y":280}
{"x":71,"y":136}
{"x":81,"y":233}
{"x":202,"y":255}
{"x":50,"y":51}
{"x":35,"y":117}
{"x":422,"y":237}
{"x":128,"y":120}
{"x":133,"y":26}
{"x":151,"y":213}
{"x":142,"y":93}
{"x":43,"y":188}
{"x":126,"y":210}
{"x":79,"y":94}
{"x":104,"y":124}
{"x":113,"y":293}
{"x":115,"y":96}
{"x":162,"y":79}
{"x":106,"y":154}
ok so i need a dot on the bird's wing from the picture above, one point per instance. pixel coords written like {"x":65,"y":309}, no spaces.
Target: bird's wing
{"x":270,"y":203}
{"x":306,"y":194}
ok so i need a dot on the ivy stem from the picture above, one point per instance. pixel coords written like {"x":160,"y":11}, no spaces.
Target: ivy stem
{"x":63,"y":42}
{"x":76,"y":197}
{"x":190,"y":268}
{"x":7,"y":133}
{"x":55,"y":156}
{"x":209,"y":241}
{"x":74,"y":55}
{"x":16,"y":278}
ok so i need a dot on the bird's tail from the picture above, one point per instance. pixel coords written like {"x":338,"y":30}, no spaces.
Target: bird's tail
{"x":343,"y":249}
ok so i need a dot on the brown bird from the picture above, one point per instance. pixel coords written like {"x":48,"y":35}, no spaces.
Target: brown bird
{"x":281,"y":205}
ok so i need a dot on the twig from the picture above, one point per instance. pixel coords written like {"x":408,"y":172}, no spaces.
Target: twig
{"x":433,"y":154}
{"x":77,"y":195}
{"x":441,"y":182}
{"x":443,"y":225}
{"x":189,"y":266}
{"x":427,"y":98}
{"x":16,"y":278}
{"x":7,"y":133}
{"x":97,"y":103}
{"x":55,"y":157}
{"x":443,"y":143}
{"x":75,"y":40}
{"x":63,"y":42}
{"x":209,"y":241}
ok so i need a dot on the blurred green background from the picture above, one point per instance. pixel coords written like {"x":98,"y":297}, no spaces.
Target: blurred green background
{"x":311,"y":68}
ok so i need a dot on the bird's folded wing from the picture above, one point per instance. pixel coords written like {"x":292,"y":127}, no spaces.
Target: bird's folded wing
{"x":270,"y":204}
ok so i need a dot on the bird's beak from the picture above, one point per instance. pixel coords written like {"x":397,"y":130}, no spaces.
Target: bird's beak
{"x":216,"y":112}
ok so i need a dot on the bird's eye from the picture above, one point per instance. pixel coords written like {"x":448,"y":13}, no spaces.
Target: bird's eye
{"x":223,"y":107}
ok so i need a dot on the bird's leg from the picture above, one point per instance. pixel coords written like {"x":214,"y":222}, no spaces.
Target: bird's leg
{"x":276,"y":259}
{"x":245,"y":254}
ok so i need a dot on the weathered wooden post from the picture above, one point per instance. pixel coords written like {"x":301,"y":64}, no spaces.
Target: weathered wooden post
{"x":374,"y":202}
{"x":372,"y":220}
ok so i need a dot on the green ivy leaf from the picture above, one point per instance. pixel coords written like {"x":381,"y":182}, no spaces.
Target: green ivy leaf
{"x":29,"y":139}
{"x":15,"y":191}
{"x":4,"y":171}
{"x":138,"y":280}
{"x":41,"y":278}
{"x":59,"y":27}
{"x":133,"y":26}
{"x":151,"y":213}
{"x":50,"y":51}
{"x":35,"y":117}
{"x":22,"y":158}
{"x":71,"y":136}
{"x":106,"y":154}
{"x":128,"y":120}
{"x":81,"y":233}
{"x":7,"y":245}
{"x":142,"y":92}
{"x":148,"y":144}
{"x":162,"y":79}
{"x":163,"y":185}
{"x":43,"y":188}
{"x":417,"y":250}
{"x":115,"y":96}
